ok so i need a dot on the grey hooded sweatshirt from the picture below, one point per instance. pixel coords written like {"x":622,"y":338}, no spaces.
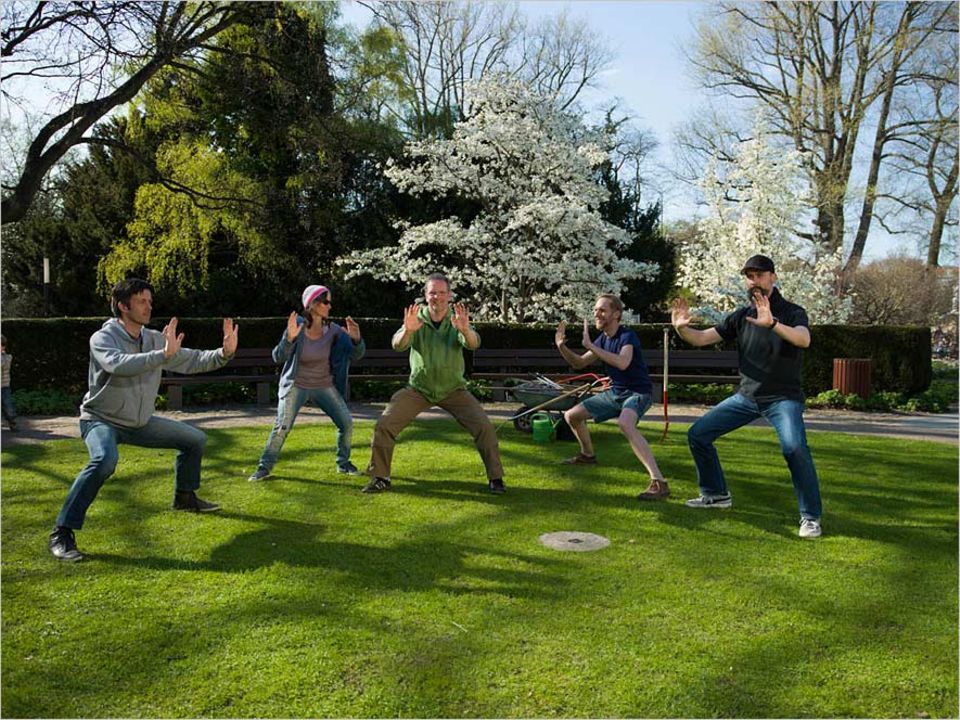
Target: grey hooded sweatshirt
{"x":124,"y":375}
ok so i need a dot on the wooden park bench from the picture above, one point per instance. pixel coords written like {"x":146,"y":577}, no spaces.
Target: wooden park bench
{"x":248,"y":365}
{"x":255,"y":365}
{"x":686,"y":366}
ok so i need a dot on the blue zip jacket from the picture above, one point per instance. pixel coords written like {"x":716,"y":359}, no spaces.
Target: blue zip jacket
{"x":342,"y":354}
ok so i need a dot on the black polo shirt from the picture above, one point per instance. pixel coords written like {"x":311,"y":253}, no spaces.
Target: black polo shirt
{"x":770,"y":368}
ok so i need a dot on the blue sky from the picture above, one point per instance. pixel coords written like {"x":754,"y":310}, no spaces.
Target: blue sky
{"x":648,"y":70}
{"x":649,"y":74}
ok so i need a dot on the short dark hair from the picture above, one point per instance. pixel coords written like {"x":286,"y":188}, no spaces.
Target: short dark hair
{"x":126,"y":289}
{"x":437,"y":276}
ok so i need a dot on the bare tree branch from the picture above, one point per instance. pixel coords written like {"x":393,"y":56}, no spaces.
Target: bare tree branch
{"x":85,"y":41}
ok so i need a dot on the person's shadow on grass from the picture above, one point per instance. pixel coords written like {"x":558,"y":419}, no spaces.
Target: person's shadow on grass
{"x":420,"y":563}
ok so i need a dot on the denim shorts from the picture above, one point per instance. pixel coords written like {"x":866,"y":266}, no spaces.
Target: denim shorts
{"x":609,"y":404}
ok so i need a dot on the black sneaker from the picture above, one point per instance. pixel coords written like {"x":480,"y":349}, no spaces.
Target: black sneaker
{"x":63,"y":546}
{"x":348,"y":469}
{"x":261,"y":473}
{"x":711,"y":501}
{"x":377,"y":485}
{"x":496,"y":486}
{"x":188,"y":500}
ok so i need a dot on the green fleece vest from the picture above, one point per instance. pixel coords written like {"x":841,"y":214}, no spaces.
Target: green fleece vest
{"x":436,"y":358}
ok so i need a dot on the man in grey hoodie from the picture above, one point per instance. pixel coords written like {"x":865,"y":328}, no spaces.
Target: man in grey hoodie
{"x":126,"y":360}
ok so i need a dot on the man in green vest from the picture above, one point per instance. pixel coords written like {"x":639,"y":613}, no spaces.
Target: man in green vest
{"x":435,"y":335}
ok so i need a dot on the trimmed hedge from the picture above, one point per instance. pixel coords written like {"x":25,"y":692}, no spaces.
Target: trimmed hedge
{"x":53,"y":353}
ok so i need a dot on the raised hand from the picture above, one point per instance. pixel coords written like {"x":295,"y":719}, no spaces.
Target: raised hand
{"x":230,"y":337}
{"x":411,"y":323}
{"x":764,"y":315}
{"x":461,"y":318}
{"x":561,"y":336}
{"x":680,"y":313}
{"x":587,"y":342}
{"x":172,"y":340}
{"x":353,"y":330}
{"x":293,"y":327}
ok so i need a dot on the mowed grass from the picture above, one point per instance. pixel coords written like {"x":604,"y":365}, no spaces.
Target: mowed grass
{"x":307,"y":598}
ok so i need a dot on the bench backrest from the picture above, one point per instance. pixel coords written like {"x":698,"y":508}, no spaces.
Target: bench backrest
{"x":518,"y":357}
{"x":260,"y":361}
{"x":550,"y":358}
{"x":378,"y":359}
{"x":252,"y":357}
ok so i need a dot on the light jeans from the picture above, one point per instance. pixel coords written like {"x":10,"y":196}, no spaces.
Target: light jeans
{"x":786,"y":416}
{"x":102,"y":440}
{"x":327,"y":399}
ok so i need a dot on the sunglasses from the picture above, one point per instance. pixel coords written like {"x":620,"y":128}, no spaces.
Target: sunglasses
{"x":324,"y":301}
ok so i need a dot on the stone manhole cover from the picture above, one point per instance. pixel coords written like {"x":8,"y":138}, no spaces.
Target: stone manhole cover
{"x":574,"y":541}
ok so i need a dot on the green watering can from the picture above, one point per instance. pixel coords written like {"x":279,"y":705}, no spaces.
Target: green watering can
{"x":542,"y":427}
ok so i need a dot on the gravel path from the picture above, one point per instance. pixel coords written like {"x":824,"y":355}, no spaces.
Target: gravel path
{"x":917,"y":426}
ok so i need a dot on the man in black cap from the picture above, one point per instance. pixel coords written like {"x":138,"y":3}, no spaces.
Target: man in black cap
{"x":770,"y":334}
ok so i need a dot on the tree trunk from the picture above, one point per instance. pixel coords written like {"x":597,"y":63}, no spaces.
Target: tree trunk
{"x":936,"y":234}
{"x":944,"y":201}
{"x":879,"y":140}
{"x":76,"y":120}
{"x":830,"y":219}
{"x":873,"y":175}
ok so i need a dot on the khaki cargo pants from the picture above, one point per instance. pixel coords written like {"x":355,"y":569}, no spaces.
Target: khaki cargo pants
{"x":407,"y":403}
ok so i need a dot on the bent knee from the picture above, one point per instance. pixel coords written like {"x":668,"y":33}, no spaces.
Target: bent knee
{"x":105,"y":463}
{"x":627,"y":425}
{"x":793,"y":448}
{"x":697,"y":438}
{"x":198,"y":441}
{"x":383,"y":430}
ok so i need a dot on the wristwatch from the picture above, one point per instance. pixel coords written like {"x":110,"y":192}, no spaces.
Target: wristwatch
{"x":775,"y":321}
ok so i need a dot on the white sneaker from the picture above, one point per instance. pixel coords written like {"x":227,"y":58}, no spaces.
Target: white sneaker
{"x":810,"y":528}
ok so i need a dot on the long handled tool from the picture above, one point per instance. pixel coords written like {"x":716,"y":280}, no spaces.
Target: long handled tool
{"x":666,"y":377}
{"x":577,"y":391}
{"x":582,"y":389}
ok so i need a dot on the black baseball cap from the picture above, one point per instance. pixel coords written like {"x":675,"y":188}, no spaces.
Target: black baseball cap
{"x":758,"y":262}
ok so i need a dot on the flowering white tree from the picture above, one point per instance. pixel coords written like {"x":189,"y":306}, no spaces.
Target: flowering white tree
{"x":756,"y":207}
{"x":537,"y":247}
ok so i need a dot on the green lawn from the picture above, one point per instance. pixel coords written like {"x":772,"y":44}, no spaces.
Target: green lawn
{"x":307,"y":598}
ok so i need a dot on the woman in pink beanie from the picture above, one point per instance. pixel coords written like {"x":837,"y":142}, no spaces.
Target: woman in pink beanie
{"x":316,"y":356}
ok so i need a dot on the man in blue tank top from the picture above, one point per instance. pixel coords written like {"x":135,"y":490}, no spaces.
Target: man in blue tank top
{"x":629,"y":396}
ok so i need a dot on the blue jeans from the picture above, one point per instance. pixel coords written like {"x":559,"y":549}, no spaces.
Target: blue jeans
{"x":6,"y":402}
{"x":786,"y":416}
{"x":327,"y":399}
{"x":102,"y":440}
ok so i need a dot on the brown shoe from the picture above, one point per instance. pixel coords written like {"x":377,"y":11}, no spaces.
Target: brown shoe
{"x":580,"y":459}
{"x":658,"y":490}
